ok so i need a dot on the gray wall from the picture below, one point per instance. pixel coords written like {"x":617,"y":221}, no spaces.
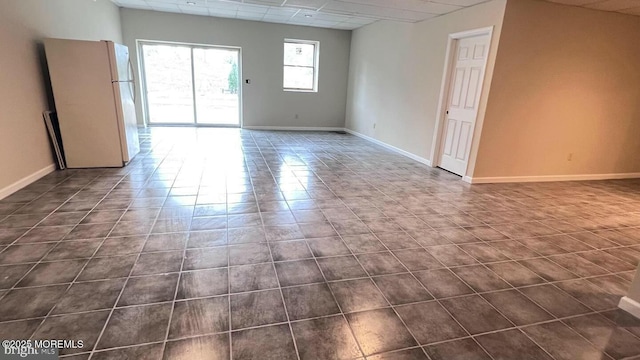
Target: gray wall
{"x":264,"y":101}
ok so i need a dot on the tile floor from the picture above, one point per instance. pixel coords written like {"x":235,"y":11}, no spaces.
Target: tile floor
{"x":217,"y":244}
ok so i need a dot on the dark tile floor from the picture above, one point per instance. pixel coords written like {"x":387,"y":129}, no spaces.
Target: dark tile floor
{"x":217,"y":243}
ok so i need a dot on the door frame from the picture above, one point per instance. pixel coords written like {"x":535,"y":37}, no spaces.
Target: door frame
{"x":143,"y":85}
{"x":445,"y":92}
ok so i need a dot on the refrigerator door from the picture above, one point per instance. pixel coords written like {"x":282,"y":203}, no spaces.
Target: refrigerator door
{"x":124,"y":94}
{"x":83,"y":93}
{"x":127,"y":123}
{"x":121,"y":69}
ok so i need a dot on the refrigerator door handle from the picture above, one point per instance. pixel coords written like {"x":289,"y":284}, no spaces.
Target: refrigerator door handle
{"x":133,"y":91}
{"x":133,"y":82}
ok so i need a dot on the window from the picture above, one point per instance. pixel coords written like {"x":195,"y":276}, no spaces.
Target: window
{"x":300,"y":65}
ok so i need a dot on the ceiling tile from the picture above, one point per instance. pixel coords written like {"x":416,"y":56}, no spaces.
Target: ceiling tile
{"x":375,"y":11}
{"x":166,"y":8}
{"x":222,"y":5}
{"x":194,"y":10}
{"x":158,"y":6}
{"x":222,"y":12}
{"x":320,"y":16}
{"x":276,"y":18}
{"x":202,"y":3}
{"x":412,"y":5}
{"x":264,"y":2}
{"x":249,"y":15}
{"x":278,"y":11}
{"x":306,"y":4}
{"x":360,"y":21}
{"x":247,"y":8}
{"x":128,"y":3}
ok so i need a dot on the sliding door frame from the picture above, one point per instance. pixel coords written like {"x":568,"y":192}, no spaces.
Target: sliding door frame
{"x":143,"y":82}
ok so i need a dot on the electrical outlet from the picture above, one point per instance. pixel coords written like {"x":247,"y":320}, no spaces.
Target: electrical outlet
{"x":570,"y":157}
{"x":374,"y":125}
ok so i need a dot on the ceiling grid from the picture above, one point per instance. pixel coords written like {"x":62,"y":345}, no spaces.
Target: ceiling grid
{"x":341,"y":14}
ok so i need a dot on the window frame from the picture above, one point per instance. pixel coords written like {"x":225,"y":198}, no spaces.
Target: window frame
{"x":316,"y":63}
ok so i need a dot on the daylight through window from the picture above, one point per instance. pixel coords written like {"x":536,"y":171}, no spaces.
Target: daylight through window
{"x":300,"y":65}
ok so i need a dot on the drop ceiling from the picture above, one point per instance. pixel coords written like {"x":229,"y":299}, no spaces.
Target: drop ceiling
{"x":344,"y":14}
{"x":340,"y":14}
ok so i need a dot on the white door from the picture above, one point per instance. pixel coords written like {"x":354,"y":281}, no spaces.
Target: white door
{"x":465,"y":86}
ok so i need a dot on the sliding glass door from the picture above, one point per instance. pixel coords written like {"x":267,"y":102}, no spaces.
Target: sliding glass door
{"x":168,"y":84}
{"x":187,"y":84}
{"x":215,"y":72}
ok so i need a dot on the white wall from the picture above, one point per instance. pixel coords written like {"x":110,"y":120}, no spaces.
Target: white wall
{"x":264,"y":101}
{"x":24,"y":93}
{"x":396,"y":73}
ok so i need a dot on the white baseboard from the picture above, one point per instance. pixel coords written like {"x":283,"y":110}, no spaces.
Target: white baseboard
{"x":390,"y":147}
{"x":548,"y":178}
{"x":27,"y":180}
{"x":467,"y":179}
{"x":293,"y":128}
{"x":629,"y":305}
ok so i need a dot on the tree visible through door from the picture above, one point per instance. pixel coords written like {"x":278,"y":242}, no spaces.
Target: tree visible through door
{"x":187,"y":84}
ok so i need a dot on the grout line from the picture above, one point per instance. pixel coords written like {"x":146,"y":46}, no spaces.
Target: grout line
{"x":275,"y":156}
{"x":273,"y":265}
{"x":104,"y":327}
{"x":275,"y":288}
{"x":445,"y":309}
{"x":333,"y":296}
{"x":493,"y":307}
{"x":335,"y":299}
{"x":382,"y":293}
{"x":175,"y":293}
{"x":328,"y":316}
{"x":57,"y":243}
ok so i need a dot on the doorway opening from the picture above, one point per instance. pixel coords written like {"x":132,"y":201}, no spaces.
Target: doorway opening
{"x":467,"y":56}
{"x":185,"y":84}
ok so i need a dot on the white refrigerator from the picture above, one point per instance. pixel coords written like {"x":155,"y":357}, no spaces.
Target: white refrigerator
{"x":94,"y":92}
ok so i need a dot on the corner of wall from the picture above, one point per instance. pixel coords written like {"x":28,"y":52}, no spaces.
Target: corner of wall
{"x":488,"y":83}
{"x":27,"y":180}
{"x":25,"y":91}
{"x":551,"y":114}
{"x":406,"y":116}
